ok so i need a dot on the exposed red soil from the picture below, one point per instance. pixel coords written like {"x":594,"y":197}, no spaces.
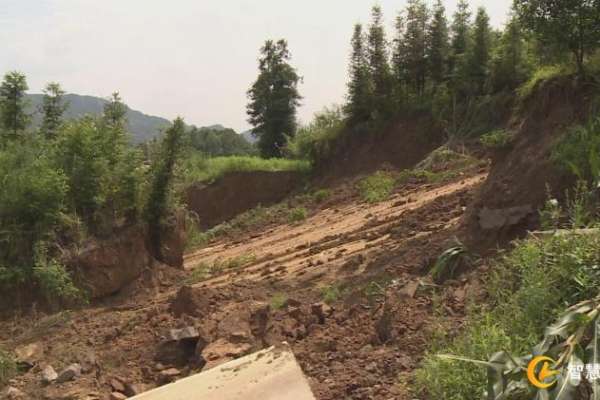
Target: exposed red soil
{"x":365,"y":347}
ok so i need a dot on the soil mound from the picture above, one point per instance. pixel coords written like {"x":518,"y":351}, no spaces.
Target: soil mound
{"x":237,"y":192}
{"x":506,"y":204}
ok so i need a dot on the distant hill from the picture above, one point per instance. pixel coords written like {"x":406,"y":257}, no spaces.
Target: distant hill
{"x":143,"y":127}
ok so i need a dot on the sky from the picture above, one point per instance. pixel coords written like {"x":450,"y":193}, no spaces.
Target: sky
{"x":189,"y":58}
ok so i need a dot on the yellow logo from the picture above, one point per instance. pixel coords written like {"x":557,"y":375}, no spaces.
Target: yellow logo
{"x":539,"y":379}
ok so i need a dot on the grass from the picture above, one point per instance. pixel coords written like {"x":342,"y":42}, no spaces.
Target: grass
{"x":377,"y":187}
{"x":297,"y":214}
{"x":8,"y":367}
{"x":528,"y":288}
{"x":496,"y":139}
{"x":200,"y":169}
{"x":278,"y":301}
{"x":330,"y":294}
{"x":441,"y":165}
{"x":205,"y":270}
{"x":321,"y":195}
{"x":542,"y":75}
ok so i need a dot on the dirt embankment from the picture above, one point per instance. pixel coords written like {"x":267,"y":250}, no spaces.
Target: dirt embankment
{"x":507,"y":203}
{"x":237,"y":192}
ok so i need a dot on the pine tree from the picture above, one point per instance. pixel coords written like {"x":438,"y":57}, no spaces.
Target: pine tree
{"x":358,"y":106}
{"x":509,"y":65}
{"x":115,"y":111}
{"x":460,"y":34}
{"x":273,"y":99}
{"x":480,"y":53}
{"x":415,"y":44}
{"x":379,"y":67}
{"x":437,"y":46}
{"x":113,"y":125}
{"x":13,"y":117}
{"x":53,"y":108}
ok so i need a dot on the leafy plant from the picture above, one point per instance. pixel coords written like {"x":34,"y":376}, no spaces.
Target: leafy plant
{"x":297,"y":214}
{"x":278,"y":301}
{"x":8,"y":367}
{"x":497,"y":139}
{"x":54,"y":279}
{"x":579,"y":152}
{"x":321,"y":195}
{"x":377,"y":187}
{"x":448,"y":263}
{"x":331,"y":294}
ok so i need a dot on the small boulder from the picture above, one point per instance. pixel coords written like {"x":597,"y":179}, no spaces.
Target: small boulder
{"x":191,"y":301}
{"x":133,"y":389}
{"x":117,"y":396}
{"x":49,"y":375}
{"x":12,"y":393}
{"x":222,"y":351}
{"x":168,"y":376}
{"x":28,"y":355}
{"x":70,"y":373}
{"x":321,"y":311}
{"x":188,"y":333}
{"x":117,"y":385}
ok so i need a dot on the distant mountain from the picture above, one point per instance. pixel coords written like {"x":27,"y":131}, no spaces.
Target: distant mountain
{"x":143,"y":127}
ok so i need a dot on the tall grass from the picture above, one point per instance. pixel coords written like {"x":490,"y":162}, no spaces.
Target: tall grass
{"x":198,"y":168}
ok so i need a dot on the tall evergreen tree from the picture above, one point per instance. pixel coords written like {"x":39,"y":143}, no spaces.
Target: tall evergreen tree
{"x":13,"y":117}
{"x":273,"y":99}
{"x":53,"y":108}
{"x":378,"y":61}
{"x":509,"y":65}
{"x":358,"y":106}
{"x":479,"y":55}
{"x":437,"y":46}
{"x":415,"y":44}
{"x":114,"y":120}
{"x":460,"y":34}
{"x":115,"y":110}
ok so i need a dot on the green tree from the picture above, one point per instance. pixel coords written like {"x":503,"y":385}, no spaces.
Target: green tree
{"x":461,"y":26}
{"x":479,"y":55}
{"x":13,"y":117}
{"x":163,"y":176}
{"x":113,"y":127}
{"x":437,"y":46}
{"x":273,"y":99}
{"x":570,"y":24}
{"x":359,"y":101}
{"x":414,"y":45}
{"x":53,"y":108}
{"x":509,"y":65}
{"x":115,"y":110}
{"x":379,"y":68}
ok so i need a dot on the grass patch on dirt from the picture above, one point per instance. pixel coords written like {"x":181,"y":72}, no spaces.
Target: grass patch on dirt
{"x":201,"y":169}
{"x":496,"y":139}
{"x":8,"y":367}
{"x":330,"y":294}
{"x":377,"y":187}
{"x":205,"y":270}
{"x":297,"y":214}
{"x":528,"y":288}
{"x":278,"y":301}
{"x":441,"y":165}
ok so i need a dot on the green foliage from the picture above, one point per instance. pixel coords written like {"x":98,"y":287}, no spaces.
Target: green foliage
{"x":579,"y":152}
{"x":497,"y":139}
{"x":448,"y":264}
{"x":13,"y":118}
{"x":551,"y":213}
{"x":297,"y":214}
{"x":376,"y":187}
{"x":8,"y":367}
{"x":321,"y":195}
{"x":218,"y":142}
{"x":54,"y":280}
{"x":53,"y":108}
{"x":205,"y":270}
{"x":438,"y":44}
{"x":199,"y":169}
{"x":541,"y":76}
{"x":528,"y":288}
{"x":314,"y":142}
{"x":378,"y":66}
{"x":273,"y":99}
{"x":479,"y":55}
{"x":360,"y":90}
{"x":278,"y":301}
{"x":330,"y":294}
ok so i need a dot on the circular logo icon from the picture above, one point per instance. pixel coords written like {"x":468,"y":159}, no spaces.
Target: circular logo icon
{"x":539,"y":377}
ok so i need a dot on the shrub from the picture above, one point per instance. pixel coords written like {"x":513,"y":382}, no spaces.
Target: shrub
{"x":331,"y":294}
{"x":278,"y":301}
{"x":579,"y":152}
{"x":497,"y":139}
{"x":542,"y":75}
{"x":377,"y":187}
{"x":54,"y":279}
{"x":529,"y":288}
{"x":321,"y":195}
{"x":8,"y":367}
{"x":297,"y":214}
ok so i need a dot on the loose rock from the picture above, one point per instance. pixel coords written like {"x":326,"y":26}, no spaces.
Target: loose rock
{"x":68,"y":374}
{"x":49,"y":375}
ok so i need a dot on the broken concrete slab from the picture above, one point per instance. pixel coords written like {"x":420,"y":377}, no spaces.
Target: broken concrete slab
{"x":271,"y":374}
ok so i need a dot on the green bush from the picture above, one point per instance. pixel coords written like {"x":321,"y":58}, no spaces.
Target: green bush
{"x":8,"y":367}
{"x":331,"y":294}
{"x":497,"y":139}
{"x":54,"y":280}
{"x":297,"y":214}
{"x":197,"y":168}
{"x":541,"y":75}
{"x":321,"y":195}
{"x":377,"y":187}
{"x":278,"y":301}
{"x":579,"y":152}
{"x":528,"y":288}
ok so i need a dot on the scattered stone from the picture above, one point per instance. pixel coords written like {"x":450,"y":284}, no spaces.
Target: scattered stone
{"x":191,"y":301}
{"x":68,"y":374}
{"x":117,"y":396}
{"x":12,"y":393}
{"x":321,"y":311}
{"x":371,"y":367}
{"x":168,"y":376}
{"x":133,"y":389}
{"x":187,"y":333}
{"x":409,"y":290}
{"x":117,"y":385}
{"x":30,"y":354}
{"x":221,"y":351}
{"x":49,"y":375}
